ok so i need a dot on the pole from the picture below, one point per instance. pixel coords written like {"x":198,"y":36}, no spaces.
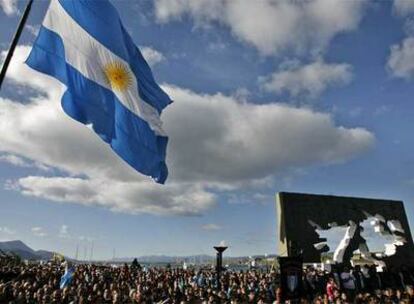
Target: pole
{"x":15,"y":41}
{"x":219,"y":264}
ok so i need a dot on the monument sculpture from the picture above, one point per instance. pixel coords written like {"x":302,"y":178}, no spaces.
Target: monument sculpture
{"x":303,"y":219}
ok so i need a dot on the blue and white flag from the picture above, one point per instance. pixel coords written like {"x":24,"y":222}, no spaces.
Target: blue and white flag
{"x":84,"y":45}
{"x":67,"y":277}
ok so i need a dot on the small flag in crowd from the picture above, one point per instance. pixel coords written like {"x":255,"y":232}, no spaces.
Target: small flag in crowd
{"x":109,"y":84}
{"x":67,"y":277}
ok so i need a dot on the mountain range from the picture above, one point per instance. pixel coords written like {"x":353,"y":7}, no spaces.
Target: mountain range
{"x":19,"y":248}
{"x":23,"y":251}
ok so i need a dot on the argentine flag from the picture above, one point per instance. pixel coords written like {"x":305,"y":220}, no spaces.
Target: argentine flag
{"x":67,"y":277}
{"x":109,"y":85}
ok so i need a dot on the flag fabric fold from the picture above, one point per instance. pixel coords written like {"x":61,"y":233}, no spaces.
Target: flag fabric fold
{"x":109,"y":85}
{"x":67,"y":277}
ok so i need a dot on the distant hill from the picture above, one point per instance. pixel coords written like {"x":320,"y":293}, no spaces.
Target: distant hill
{"x":25,"y":252}
{"x":45,"y":255}
{"x":15,"y":245}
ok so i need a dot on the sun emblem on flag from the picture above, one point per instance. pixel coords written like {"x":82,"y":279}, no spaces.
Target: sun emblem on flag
{"x":118,"y":76}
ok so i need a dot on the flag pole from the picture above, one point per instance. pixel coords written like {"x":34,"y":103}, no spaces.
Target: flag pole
{"x":15,"y":41}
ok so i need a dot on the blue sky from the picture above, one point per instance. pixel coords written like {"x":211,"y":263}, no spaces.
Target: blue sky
{"x":270,"y":96}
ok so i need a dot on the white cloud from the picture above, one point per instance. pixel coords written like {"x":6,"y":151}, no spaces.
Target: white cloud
{"x":86,"y":238}
{"x":249,"y":198}
{"x":130,"y":197}
{"x":217,"y":143}
{"x":14,"y":160}
{"x":7,"y":231}
{"x":33,"y":29}
{"x":64,"y":232}
{"x":215,"y":138}
{"x":308,"y":80}
{"x":270,"y":25}
{"x":401,"y":60}
{"x":9,"y":7}
{"x":20,"y":162}
{"x":38,"y":231}
{"x":211,"y":227}
{"x":152,"y":56}
{"x":403,"y":7}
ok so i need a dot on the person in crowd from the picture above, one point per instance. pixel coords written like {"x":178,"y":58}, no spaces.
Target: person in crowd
{"x":106,"y":284}
{"x":348,"y":283}
{"x":331,"y":290}
{"x":359,"y":279}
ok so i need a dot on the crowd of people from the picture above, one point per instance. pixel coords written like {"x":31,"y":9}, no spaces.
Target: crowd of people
{"x":41,"y":283}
